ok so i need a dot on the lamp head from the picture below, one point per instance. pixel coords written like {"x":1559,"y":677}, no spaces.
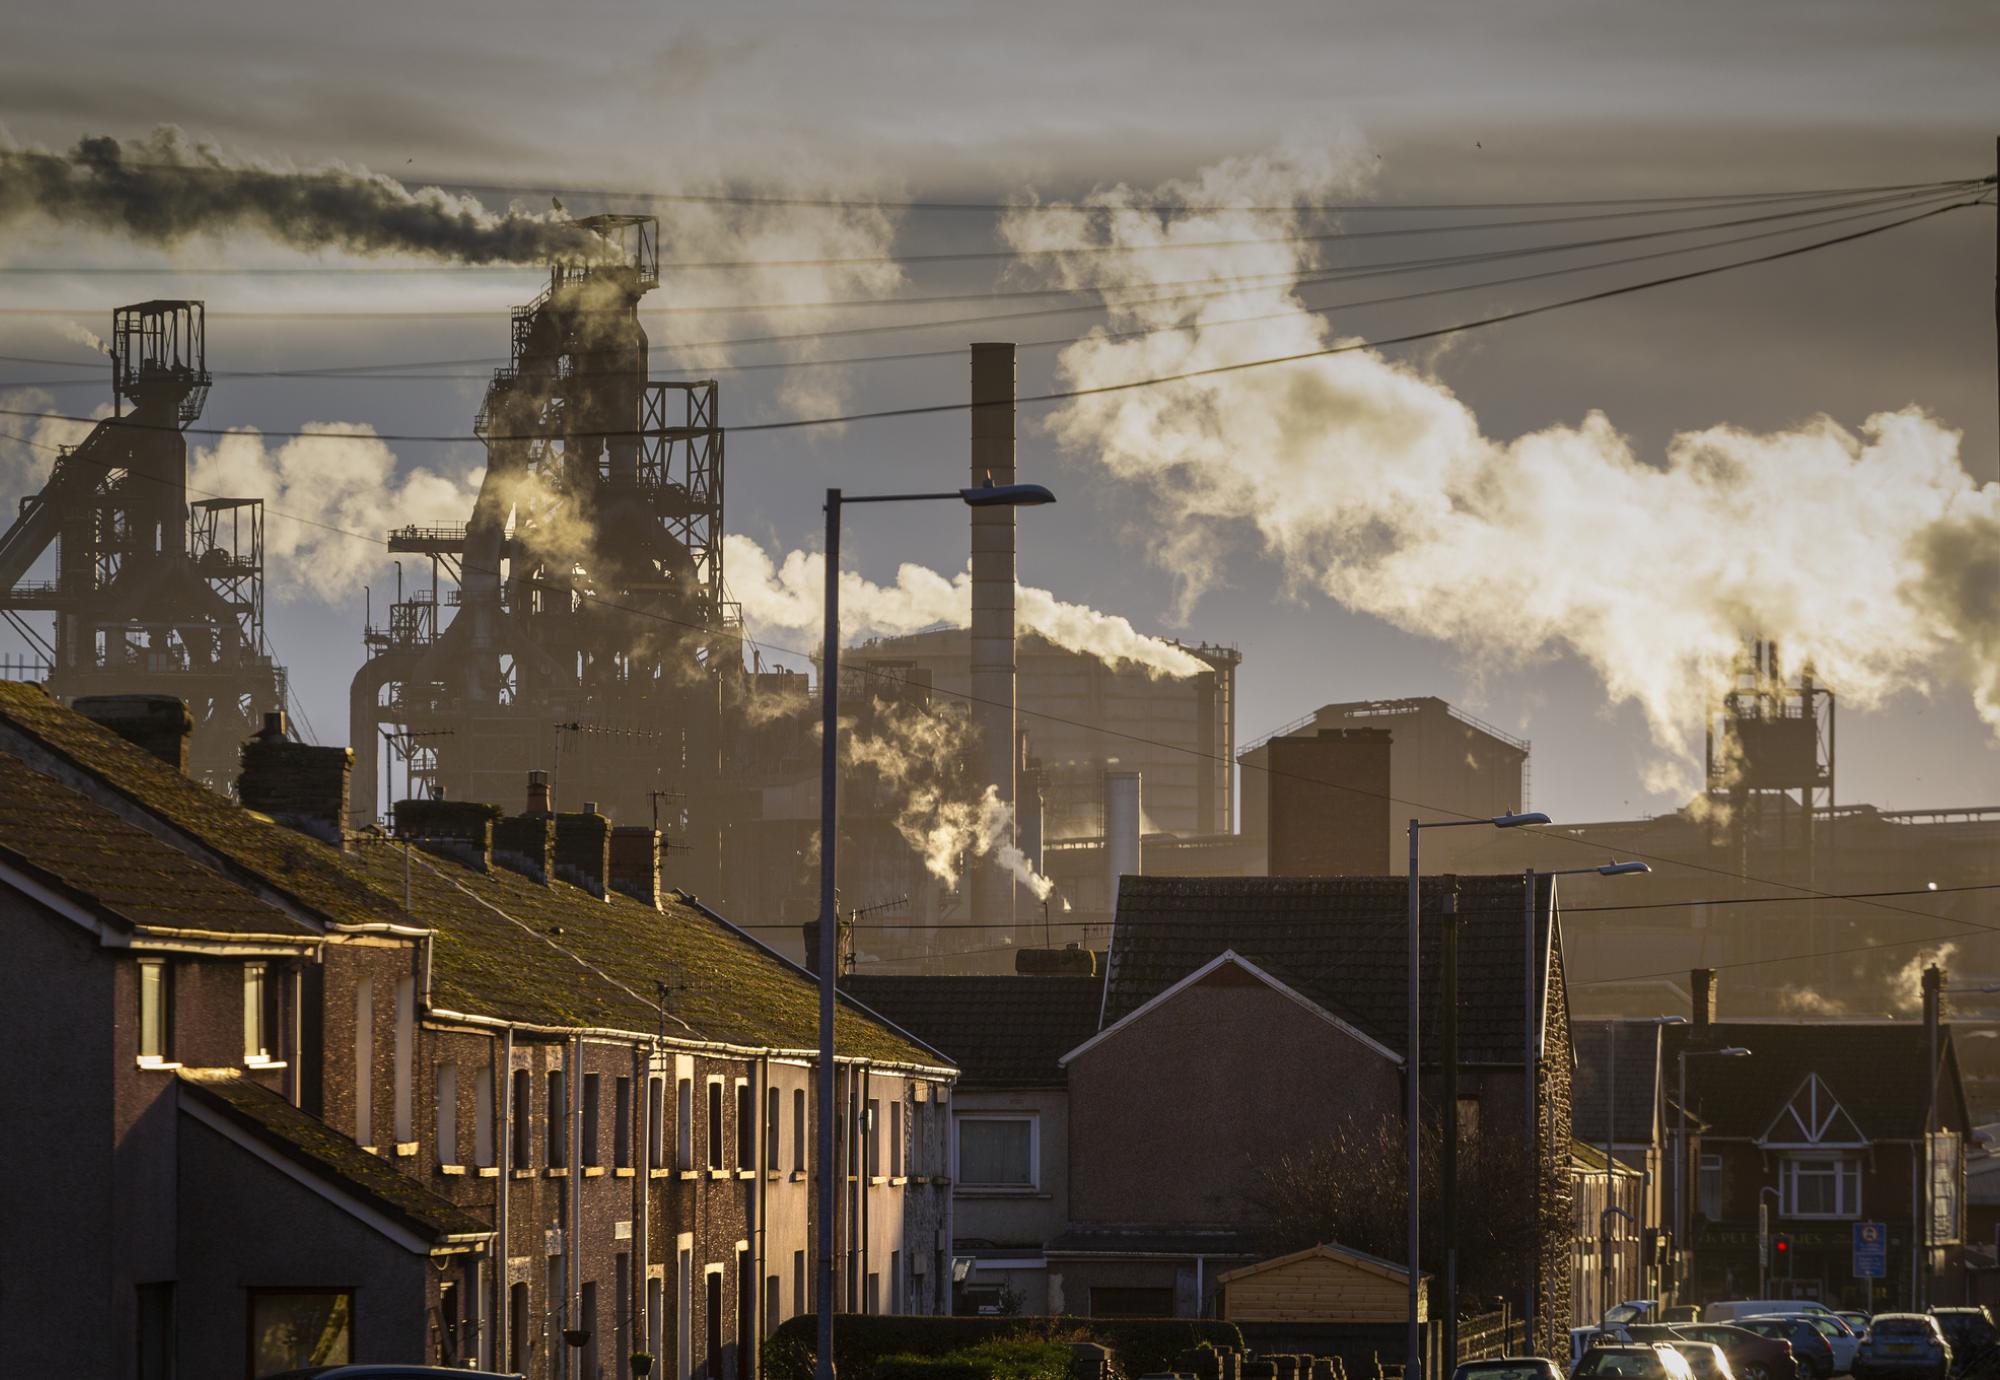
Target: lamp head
{"x":1515,"y":821}
{"x":1734,"y":1052}
{"x":1621,"y":869}
{"x":991,"y":495}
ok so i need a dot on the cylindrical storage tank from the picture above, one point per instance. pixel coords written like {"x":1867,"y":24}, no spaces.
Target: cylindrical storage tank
{"x":1121,"y":829}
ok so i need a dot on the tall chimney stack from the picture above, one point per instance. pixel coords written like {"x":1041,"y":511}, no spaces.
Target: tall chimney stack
{"x":993,"y":611}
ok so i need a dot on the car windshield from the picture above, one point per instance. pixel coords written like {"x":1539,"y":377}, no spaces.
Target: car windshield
{"x":1505,"y":1370}
{"x":1901,"y":1327}
{"x":1603,"y":1361}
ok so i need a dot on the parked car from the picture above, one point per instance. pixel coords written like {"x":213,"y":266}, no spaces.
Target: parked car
{"x":1837,"y":1333}
{"x":1705,"y":1359}
{"x":1752,"y":1355}
{"x":1810,"y":1348}
{"x":1508,"y":1368}
{"x":1856,"y":1320}
{"x":1629,"y":1362}
{"x":1969,"y":1331}
{"x":1903,"y":1344}
{"x":1630,"y":1311}
{"x":1680,"y":1313}
{"x":1729,"y":1310}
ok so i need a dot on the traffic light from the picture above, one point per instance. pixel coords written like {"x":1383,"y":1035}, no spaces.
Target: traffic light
{"x":1781,"y":1250}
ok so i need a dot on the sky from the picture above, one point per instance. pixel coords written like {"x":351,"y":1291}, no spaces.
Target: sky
{"x":1422,"y":102}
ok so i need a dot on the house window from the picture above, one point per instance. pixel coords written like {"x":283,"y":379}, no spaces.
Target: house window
{"x":798,"y":1283}
{"x":256,"y":1033}
{"x":684,"y":1122}
{"x":771,"y":1314}
{"x":524,"y":1142}
{"x":997,"y":1151}
{"x":1820,"y":1186}
{"x":447,"y":1113}
{"x":1709,"y":1189}
{"x":746,"y":1125}
{"x":155,"y":1011}
{"x":895,"y":1281}
{"x":713,"y":1360}
{"x":621,"y":1123}
{"x":592,"y":1155}
{"x":406,"y":1042}
{"x":715,"y":1123}
{"x":586,"y":1318}
{"x":558,"y":1120}
{"x":294,"y":1328}
{"x":656,"y":1123}
{"x":518,"y":1323}
{"x":799,"y":1129}
{"x":364,"y":1062}
{"x":771,"y":1104}
{"x":656,"y":1317}
{"x":896,"y":1139}
{"x":482,"y":1119}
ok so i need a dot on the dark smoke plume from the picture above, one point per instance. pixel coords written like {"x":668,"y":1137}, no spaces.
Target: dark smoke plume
{"x":165,"y":188}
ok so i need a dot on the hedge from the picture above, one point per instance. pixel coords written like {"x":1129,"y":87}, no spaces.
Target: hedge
{"x":862,"y":1342}
{"x":1008,"y":1359}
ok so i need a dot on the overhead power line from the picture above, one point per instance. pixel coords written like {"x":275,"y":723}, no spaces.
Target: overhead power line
{"x":1207,"y":287}
{"x":406,"y":369}
{"x":953,"y":256}
{"x":1066,"y":395}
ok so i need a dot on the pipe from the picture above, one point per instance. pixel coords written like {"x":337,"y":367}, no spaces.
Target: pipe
{"x":992,"y":637}
{"x":503,"y":1155}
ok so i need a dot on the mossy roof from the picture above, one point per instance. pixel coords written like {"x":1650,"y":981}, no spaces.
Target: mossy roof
{"x":332,"y":1155}
{"x":124,"y":874}
{"x":497,"y":953}
{"x":286,"y":861}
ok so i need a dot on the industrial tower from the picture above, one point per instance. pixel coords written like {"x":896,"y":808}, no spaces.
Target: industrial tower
{"x":576,"y":624}
{"x":152,"y":594}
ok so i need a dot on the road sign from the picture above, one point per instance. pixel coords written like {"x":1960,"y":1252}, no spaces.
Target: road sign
{"x":1871,"y":1250}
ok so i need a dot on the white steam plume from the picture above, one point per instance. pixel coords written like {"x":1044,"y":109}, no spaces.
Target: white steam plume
{"x":1872,"y":555}
{"x":318,"y":493}
{"x":916,"y":757}
{"x":79,"y":334}
{"x":787,"y":598}
{"x":29,"y":445}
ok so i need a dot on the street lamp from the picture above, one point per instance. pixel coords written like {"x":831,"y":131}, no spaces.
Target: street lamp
{"x":987,"y":495}
{"x":1681,"y":1133}
{"x":1531,"y":1123}
{"x":1414,"y":1364}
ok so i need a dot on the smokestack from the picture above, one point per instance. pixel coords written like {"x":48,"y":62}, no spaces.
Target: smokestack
{"x":1121,"y":829}
{"x":1028,"y":817}
{"x":1701,"y":989}
{"x":993,"y":612}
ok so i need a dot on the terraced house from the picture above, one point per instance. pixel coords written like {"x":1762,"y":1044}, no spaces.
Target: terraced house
{"x":482,"y":1092}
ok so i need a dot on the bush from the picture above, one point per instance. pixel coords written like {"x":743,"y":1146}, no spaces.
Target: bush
{"x":1005,"y":1359}
{"x":863,"y":1343}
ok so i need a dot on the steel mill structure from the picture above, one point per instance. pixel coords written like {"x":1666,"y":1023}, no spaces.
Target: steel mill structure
{"x":151,"y":593}
{"x":576,"y":624}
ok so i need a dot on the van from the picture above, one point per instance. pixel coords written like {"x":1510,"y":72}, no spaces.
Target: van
{"x":1733,"y":1309}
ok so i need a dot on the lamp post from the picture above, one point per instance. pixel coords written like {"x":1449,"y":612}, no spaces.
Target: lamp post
{"x":1681,"y":1133}
{"x":1414,"y":1362}
{"x":1531,"y":1051}
{"x":987,"y":495}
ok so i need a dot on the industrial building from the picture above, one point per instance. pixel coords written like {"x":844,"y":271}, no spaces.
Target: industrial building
{"x":150,"y":593}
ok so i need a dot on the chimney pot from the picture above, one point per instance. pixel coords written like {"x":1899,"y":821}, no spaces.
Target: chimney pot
{"x":539,"y":802}
{"x":274,"y":725}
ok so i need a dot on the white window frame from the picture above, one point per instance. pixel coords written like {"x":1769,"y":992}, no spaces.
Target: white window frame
{"x":1034,"y":1120}
{"x":155,"y":973}
{"x":1846,"y":1185}
{"x":1710,"y":1163}
{"x":256,"y":1037}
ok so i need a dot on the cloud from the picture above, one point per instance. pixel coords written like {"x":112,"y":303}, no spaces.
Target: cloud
{"x":787,"y":598}
{"x":1865,"y":552}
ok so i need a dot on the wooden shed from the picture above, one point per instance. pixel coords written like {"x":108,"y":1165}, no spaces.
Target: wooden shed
{"x":1321,"y":1284}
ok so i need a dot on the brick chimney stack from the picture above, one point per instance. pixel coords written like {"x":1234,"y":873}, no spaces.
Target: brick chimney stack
{"x":583,"y":849}
{"x":160,"y":724}
{"x":635,"y":863}
{"x":540,"y":802}
{"x":300,"y":786}
{"x":1701,"y":985}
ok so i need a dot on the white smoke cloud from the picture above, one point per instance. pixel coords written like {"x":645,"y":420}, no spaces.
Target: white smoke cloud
{"x":916,"y":757}
{"x":1869,"y":553}
{"x":29,"y":445}
{"x":786,"y":598}
{"x":319,"y":493}
{"x":79,"y":334}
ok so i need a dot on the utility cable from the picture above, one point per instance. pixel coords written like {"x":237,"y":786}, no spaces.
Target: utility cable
{"x":957,"y":256}
{"x":1243,"y":284}
{"x":1067,"y":395}
{"x":388,"y":371}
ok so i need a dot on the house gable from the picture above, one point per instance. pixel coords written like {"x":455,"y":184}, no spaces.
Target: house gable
{"x":1812,"y":1118}
{"x":1230,"y":968}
